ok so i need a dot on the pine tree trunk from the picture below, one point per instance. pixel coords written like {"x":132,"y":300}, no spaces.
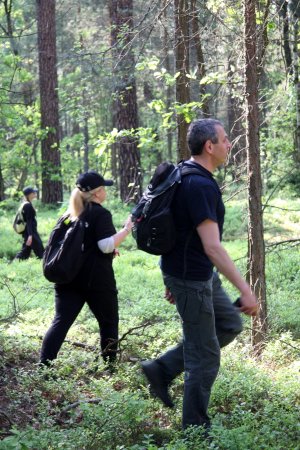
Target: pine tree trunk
{"x":2,"y":197}
{"x":200,"y":57}
{"x":282,"y":6}
{"x":295,"y":13}
{"x":51,"y":165}
{"x":256,"y":249}
{"x":86,"y":145}
{"x":121,"y":17}
{"x":169,"y":89}
{"x":181,"y":16}
{"x":235,"y":126}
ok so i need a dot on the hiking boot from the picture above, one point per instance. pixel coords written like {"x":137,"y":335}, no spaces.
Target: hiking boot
{"x":158,"y":386}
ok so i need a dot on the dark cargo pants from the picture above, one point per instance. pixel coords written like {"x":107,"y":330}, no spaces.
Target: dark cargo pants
{"x":36,"y":246}
{"x":209,"y":321}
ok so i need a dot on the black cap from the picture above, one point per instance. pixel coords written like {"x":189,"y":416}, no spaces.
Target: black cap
{"x":91,"y":180}
{"x":29,"y":190}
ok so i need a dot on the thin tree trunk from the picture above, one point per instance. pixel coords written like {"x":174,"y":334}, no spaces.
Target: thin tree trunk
{"x":295,"y":13}
{"x":114,"y":149}
{"x":235,"y":125}
{"x":169,"y":93}
{"x":283,"y":13}
{"x":51,"y":165}
{"x":256,"y":256}
{"x":121,"y":17}
{"x":2,"y":196}
{"x":181,"y":16}
{"x":200,"y":58}
{"x":9,"y":31}
{"x":86,"y":145}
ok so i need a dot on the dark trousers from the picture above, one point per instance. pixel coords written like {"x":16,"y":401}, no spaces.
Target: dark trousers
{"x":68,"y":304}
{"x":36,"y":246}
{"x":209,"y":321}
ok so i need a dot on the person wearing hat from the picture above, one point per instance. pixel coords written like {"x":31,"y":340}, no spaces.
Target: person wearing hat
{"x":95,"y":283}
{"x":31,"y":237}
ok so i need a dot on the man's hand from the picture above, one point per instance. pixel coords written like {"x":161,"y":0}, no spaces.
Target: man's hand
{"x":248,"y":303}
{"x":169,"y":296}
{"x":29,"y":241}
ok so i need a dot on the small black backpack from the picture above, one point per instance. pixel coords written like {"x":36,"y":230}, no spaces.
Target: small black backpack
{"x":154,"y":228}
{"x":65,"y":253}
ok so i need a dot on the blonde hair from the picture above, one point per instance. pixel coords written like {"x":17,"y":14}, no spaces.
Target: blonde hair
{"x":79,"y":200}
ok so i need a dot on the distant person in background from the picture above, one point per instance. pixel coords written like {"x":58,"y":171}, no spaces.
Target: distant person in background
{"x":31,"y":237}
{"x":95,"y":283}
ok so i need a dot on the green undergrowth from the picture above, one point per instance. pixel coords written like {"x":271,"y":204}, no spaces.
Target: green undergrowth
{"x":78,"y":404}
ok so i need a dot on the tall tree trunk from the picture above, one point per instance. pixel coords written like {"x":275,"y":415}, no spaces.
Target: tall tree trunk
{"x":200,"y":58}
{"x":114,"y":149}
{"x":295,"y":14}
{"x":181,"y":16}
{"x":235,"y":125}
{"x":51,"y":165}
{"x":86,"y":145}
{"x":256,"y":248}
{"x":121,"y":17}
{"x":2,"y":197}
{"x":7,"y":4}
{"x":169,"y":93}
{"x":282,"y":6}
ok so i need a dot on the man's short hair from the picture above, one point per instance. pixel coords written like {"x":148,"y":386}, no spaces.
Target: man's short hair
{"x":200,"y":131}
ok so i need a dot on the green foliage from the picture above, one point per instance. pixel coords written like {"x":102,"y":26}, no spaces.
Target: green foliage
{"x":279,"y":160}
{"x":236,"y":222}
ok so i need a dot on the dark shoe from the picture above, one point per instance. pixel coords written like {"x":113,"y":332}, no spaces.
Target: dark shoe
{"x":158,"y":385}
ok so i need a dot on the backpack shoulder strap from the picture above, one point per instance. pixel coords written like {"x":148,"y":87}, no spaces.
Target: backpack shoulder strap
{"x":187,"y":169}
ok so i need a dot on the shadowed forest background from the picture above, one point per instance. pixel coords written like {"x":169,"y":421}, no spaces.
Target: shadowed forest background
{"x":112,"y":86}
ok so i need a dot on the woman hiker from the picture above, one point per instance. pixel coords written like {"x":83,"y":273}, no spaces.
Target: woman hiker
{"x":95,"y":283}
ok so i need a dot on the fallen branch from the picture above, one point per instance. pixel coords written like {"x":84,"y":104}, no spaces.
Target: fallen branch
{"x":81,"y":345}
{"x":79,"y":402}
{"x":131,"y":332}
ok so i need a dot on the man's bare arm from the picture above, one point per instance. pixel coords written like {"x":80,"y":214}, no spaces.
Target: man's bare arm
{"x":208,"y":232}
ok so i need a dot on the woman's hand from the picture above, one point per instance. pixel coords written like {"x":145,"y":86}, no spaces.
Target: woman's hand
{"x":128,"y":224}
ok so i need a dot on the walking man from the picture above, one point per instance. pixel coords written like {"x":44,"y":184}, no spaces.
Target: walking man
{"x":209,"y":319}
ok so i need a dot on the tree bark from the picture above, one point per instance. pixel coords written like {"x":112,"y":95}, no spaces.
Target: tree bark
{"x":235,"y":125}
{"x":86,"y":145}
{"x":200,"y":58}
{"x":7,"y":4}
{"x":2,"y":196}
{"x":51,"y":165}
{"x":256,"y":247}
{"x":282,"y":6}
{"x":181,"y":18}
{"x":295,"y":14}
{"x":121,"y":17}
{"x":169,"y":90}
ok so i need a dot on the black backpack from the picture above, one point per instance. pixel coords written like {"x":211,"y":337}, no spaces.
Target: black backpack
{"x":154,"y":228}
{"x":65,"y":253}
